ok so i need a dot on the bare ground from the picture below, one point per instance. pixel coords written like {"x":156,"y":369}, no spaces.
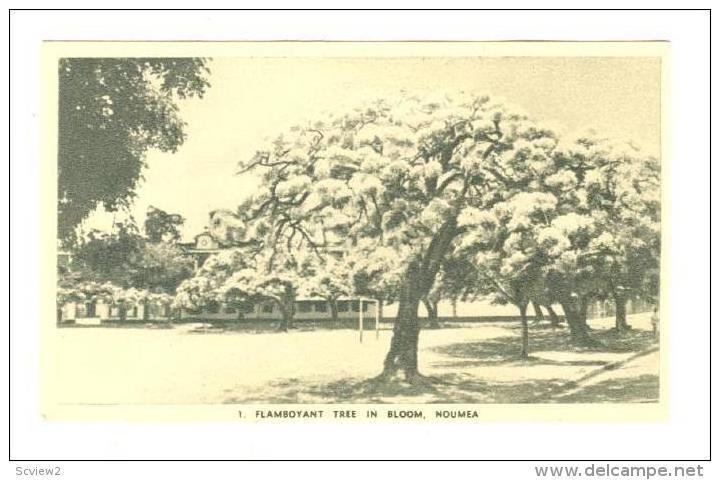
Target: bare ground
{"x":465,"y":363}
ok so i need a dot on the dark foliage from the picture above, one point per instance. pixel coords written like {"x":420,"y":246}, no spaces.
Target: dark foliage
{"x":111,"y":111}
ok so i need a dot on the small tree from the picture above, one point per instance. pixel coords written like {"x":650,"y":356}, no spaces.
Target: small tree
{"x":508,"y":265}
{"x":124,"y":298}
{"x":207,"y":286}
{"x":377,"y":273}
{"x":160,"y":267}
{"x":110,"y":256}
{"x":274,"y":277}
{"x":624,"y":198}
{"x":572,"y":277}
{"x":162,"y":226}
{"x":329,"y":278}
{"x":73,"y":289}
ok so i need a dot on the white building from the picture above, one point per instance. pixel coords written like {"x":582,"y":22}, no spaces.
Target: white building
{"x":96,"y":312}
{"x":305,"y":309}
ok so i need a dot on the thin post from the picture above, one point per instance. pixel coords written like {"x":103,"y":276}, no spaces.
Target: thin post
{"x":360,"y":320}
{"x":377,"y":319}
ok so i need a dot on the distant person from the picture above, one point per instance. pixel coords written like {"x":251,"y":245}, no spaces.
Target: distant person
{"x":655,"y":320}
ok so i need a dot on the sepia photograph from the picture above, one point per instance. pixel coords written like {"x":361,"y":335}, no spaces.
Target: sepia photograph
{"x":294,"y":225}
{"x":342,"y":242}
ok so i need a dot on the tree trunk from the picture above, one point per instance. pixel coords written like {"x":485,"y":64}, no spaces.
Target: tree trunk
{"x":59,"y":317}
{"x":285,"y":319}
{"x":404,"y":343}
{"x":287,"y":308}
{"x":620,"y":312}
{"x":525,"y":334}
{"x":432,"y":312}
{"x":406,"y":331}
{"x":539,"y":317}
{"x":122,"y":312}
{"x":380,"y":304}
{"x":576,"y":318}
{"x":420,"y":275}
{"x":146,"y":310}
{"x":333,"y":310}
{"x":454,"y":307}
{"x":554,"y":320}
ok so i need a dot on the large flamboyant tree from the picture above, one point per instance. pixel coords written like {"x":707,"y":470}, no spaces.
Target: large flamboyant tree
{"x":397,"y":174}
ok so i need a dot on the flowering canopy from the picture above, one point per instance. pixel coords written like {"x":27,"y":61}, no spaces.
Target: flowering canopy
{"x":392,"y":174}
{"x":589,"y":225}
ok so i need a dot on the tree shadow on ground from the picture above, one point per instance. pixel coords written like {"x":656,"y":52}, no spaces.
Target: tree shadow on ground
{"x":454,"y":389}
{"x":516,"y":361}
{"x":347,"y":390}
{"x":463,"y":387}
{"x":506,"y":350}
{"x":625,"y":341}
{"x":639,"y":389}
{"x":448,"y":388}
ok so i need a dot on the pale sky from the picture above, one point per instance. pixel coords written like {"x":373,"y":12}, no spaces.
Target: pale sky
{"x":254,"y":98}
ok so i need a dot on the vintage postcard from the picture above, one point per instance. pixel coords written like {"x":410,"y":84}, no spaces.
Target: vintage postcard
{"x":329,"y":231}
